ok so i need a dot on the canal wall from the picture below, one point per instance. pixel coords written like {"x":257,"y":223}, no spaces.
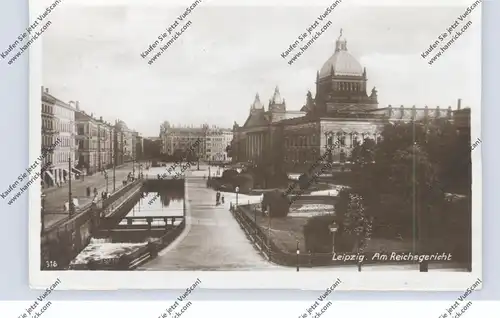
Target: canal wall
{"x":158,"y":238}
{"x":63,"y":241}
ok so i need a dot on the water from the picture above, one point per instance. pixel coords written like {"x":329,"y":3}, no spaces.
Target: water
{"x":169,"y":202}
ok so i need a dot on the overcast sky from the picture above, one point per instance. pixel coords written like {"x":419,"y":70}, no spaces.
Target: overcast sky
{"x":212,"y":72}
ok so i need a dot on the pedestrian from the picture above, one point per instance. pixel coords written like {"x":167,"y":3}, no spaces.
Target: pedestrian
{"x":88,"y":191}
{"x":222,"y":199}
{"x":96,"y":192}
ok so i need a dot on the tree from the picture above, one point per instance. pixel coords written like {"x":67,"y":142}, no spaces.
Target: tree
{"x":355,"y":224}
{"x":229,"y":175}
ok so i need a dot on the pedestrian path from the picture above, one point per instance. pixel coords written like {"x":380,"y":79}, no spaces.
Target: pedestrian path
{"x":55,"y":198}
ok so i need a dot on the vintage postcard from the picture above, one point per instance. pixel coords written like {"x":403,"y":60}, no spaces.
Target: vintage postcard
{"x":258,"y":145}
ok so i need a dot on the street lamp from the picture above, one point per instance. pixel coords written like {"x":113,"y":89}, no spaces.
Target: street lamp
{"x":133,"y":167}
{"x":107,"y":178}
{"x":70,"y":195}
{"x":237,"y":189}
{"x":298,"y":255}
{"x":43,"y":212}
{"x":333,"y":229}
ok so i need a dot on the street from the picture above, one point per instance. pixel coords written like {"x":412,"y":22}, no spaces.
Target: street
{"x":212,"y":239}
{"x":56,"y":197}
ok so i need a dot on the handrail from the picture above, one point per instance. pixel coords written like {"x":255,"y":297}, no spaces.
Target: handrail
{"x":81,"y":212}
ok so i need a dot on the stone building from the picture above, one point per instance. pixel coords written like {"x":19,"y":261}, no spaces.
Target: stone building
{"x":87,"y":140}
{"x":341,"y":114}
{"x":49,"y":136}
{"x":182,"y":139}
{"x":105,"y":143}
{"x":217,"y":140}
{"x":58,"y":132}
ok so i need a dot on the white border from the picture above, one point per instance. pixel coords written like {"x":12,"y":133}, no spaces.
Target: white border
{"x":252,"y":309}
{"x":286,"y":279}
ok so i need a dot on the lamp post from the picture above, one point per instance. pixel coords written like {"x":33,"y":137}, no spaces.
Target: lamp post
{"x":298,"y":255}
{"x":237,"y":190}
{"x":107,"y":178}
{"x":114,"y":172}
{"x":70,"y":195}
{"x":333,"y":229}
{"x":43,"y":212}
{"x":133,"y":167}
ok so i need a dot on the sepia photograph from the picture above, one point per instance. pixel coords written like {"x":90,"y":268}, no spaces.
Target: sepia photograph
{"x":261,"y":146}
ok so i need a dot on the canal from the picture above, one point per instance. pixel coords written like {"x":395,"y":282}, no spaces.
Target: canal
{"x":156,"y":212}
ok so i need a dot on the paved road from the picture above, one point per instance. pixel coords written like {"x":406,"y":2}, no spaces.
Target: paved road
{"x":56,"y":197}
{"x":212,"y":239}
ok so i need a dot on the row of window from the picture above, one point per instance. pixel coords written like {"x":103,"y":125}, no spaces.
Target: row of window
{"x":347,"y":86}
{"x":47,"y":109}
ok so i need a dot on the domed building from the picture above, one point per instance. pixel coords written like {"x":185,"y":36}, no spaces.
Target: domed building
{"x":341,"y":84}
{"x":340,"y":115}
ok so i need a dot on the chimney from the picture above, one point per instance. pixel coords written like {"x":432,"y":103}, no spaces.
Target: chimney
{"x":459,"y":104}
{"x":100,"y":118}
{"x":43,"y":89}
{"x":47,"y":90}
{"x":77,"y":105}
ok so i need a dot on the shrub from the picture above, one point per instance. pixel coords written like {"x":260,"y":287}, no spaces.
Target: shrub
{"x":276,"y":202}
{"x":278,"y":180}
{"x":303,"y":181}
{"x":229,"y":175}
{"x":317,"y":235}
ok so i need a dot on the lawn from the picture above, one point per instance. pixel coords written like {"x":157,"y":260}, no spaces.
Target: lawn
{"x":284,"y":232}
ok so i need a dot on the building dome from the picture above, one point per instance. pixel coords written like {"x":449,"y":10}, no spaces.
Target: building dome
{"x":341,"y":62}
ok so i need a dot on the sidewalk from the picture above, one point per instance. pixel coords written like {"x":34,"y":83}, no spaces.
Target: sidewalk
{"x":56,"y":197}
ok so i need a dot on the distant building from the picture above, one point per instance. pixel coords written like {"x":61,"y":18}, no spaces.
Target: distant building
{"x":125,"y":142}
{"x":88,"y":142}
{"x":217,"y":141}
{"x":105,"y":143}
{"x":207,"y":142}
{"x":182,"y":139}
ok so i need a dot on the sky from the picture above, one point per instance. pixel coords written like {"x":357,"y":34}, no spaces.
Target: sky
{"x":228,"y":54}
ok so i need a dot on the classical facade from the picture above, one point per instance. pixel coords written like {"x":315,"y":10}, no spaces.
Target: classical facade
{"x":87,"y":139}
{"x":340,"y":114}
{"x":49,"y":136}
{"x":181,"y":139}
{"x":125,"y":142}
{"x":58,"y":132}
{"x":217,"y":141}
{"x":208,"y":142}
{"x":105,"y":143}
